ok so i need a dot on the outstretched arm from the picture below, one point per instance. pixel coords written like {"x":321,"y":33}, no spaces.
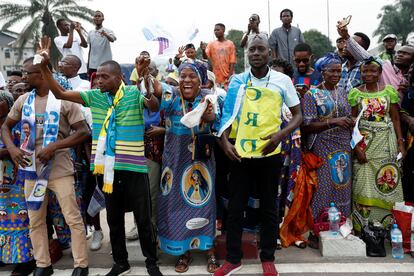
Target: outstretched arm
{"x":57,"y":90}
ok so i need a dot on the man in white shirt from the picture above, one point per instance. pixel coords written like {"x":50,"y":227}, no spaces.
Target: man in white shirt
{"x":69,"y":43}
{"x":69,"y":67}
{"x":2,"y":82}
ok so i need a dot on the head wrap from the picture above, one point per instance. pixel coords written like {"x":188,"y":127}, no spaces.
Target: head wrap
{"x":372,"y":60}
{"x":7,"y":97}
{"x":198,"y":67}
{"x":211,"y":77}
{"x":174,"y":76}
{"x":330,"y":58}
{"x":92,"y":78}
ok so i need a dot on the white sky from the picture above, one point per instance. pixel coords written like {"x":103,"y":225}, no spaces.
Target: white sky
{"x":127,"y":18}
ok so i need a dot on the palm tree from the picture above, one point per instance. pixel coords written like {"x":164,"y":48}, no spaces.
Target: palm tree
{"x":397,"y":19}
{"x":42,"y":15}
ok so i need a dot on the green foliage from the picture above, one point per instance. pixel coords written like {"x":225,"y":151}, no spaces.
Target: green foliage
{"x":236,"y":36}
{"x":319,"y":42}
{"x":42,"y":16}
{"x":397,"y":19}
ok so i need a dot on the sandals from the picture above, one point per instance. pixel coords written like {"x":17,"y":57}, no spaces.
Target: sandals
{"x":212,"y":264}
{"x":183,"y":263}
{"x":278,"y":244}
{"x":300,"y":244}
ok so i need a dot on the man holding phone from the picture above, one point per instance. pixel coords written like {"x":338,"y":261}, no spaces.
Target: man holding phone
{"x":252,"y":31}
{"x":68,"y":43}
{"x":304,"y":76}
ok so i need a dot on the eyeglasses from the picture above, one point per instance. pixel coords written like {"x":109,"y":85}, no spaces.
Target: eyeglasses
{"x":25,"y":73}
{"x":64,"y":63}
{"x":299,"y":60}
{"x":11,"y":82}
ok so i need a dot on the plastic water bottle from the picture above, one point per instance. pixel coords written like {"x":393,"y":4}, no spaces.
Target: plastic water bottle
{"x":397,"y":243}
{"x":333,"y":219}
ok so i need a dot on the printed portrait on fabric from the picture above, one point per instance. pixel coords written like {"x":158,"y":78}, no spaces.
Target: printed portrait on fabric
{"x":196,"y":184}
{"x":340,"y":166}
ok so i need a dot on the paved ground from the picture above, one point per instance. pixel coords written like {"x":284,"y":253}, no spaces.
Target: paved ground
{"x":291,"y":261}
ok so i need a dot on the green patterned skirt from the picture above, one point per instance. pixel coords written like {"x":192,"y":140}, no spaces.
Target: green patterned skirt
{"x":376,"y":184}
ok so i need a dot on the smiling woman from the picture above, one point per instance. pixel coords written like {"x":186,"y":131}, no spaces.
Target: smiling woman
{"x":190,"y":192}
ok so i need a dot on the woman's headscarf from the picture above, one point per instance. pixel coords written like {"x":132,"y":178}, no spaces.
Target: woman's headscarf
{"x":330,"y":58}
{"x":372,"y":60}
{"x":198,"y":67}
{"x":92,"y":78}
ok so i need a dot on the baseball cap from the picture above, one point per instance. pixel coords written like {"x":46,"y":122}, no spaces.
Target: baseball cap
{"x":393,"y":36}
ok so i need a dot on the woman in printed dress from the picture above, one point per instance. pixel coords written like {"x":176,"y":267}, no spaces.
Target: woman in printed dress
{"x":15,"y":245}
{"x":186,"y":206}
{"x":328,"y":125}
{"x":377,"y":176}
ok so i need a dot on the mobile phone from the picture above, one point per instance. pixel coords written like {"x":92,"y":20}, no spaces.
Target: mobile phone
{"x":344,"y":22}
{"x":301,"y":86}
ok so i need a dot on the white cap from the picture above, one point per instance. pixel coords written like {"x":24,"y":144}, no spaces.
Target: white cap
{"x":393,"y":36}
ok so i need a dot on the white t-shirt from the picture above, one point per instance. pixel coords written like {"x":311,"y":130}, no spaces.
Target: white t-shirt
{"x":2,"y":81}
{"x":79,"y":84}
{"x":75,"y":50}
{"x":277,"y":81}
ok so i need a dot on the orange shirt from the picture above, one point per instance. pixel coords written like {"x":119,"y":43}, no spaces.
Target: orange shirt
{"x":221,"y":54}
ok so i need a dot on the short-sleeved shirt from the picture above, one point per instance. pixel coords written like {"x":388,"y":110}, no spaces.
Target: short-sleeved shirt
{"x":283,"y":42}
{"x":310,"y":80}
{"x":278,"y":82}
{"x":76,"y":49}
{"x":129,"y":125}
{"x":221,"y":54}
{"x":70,"y":114}
{"x":377,"y":103}
{"x":100,"y":48}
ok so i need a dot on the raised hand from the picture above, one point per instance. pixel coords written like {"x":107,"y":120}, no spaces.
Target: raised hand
{"x":78,"y":26}
{"x":203,"y":46}
{"x":43,"y":49}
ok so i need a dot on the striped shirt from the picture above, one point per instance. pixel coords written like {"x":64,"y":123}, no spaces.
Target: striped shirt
{"x":129,"y":124}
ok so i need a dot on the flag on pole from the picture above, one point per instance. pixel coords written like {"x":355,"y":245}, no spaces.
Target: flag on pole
{"x":156,"y":33}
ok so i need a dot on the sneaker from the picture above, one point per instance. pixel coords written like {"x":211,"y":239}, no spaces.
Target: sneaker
{"x":269,"y":269}
{"x":227,"y":269}
{"x":89,"y":231}
{"x":119,"y":269}
{"x":97,"y":238}
{"x":132,"y":235}
{"x":154,"y":271}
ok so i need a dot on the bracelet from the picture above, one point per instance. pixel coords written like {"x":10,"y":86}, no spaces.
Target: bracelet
{"x":327,"y":122}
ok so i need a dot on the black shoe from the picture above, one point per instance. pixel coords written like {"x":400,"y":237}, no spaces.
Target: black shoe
{"x":154,"y":271}
{"x":119,"y":269}
{"x":24,"y":269}
{"x":80,"y":271}
{"x":43,"y":271}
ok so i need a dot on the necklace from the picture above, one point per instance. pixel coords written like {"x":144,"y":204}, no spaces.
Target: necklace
{"x":336,"y":97}
{"x":366,"y":90}
{"x":249,"y":82}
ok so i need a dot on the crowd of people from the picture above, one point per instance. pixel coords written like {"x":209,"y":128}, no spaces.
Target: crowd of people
{"x":192,"y":151}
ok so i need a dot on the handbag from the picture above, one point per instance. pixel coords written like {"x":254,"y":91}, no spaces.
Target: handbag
{"x":373,"y":234}
{"x":322,"y":222}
